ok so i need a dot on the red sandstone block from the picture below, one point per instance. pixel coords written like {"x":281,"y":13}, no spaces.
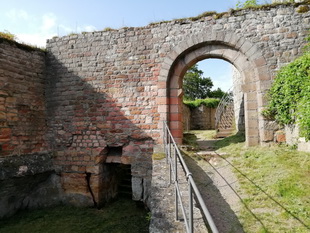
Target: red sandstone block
{"x":175,"y":116}
{"x":280,"y":136}
{"x":175,"y":125}
{"x":175,"y":100}
{"x":177,"y":133}
{"x":6,"y":147}
{"x":5,"y":133}
{"x":145,"y":127}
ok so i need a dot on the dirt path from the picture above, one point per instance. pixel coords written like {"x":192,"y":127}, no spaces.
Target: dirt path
{"x":216,"y":182}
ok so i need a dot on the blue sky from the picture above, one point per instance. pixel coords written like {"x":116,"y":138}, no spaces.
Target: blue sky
{"x":34,"y":21}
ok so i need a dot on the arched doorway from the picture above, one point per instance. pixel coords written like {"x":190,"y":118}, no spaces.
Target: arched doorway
{"x":221,"y":45}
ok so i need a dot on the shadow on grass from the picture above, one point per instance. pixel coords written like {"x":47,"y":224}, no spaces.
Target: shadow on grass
{"x":234,"y":139}
{"x":190,"y":139}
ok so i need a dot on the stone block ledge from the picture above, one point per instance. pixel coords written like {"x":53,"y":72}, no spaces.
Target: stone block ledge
{"x":25,"y":165}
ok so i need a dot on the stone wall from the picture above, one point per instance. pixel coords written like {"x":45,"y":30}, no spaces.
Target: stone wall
{"x":114,"y":88}
{"x":292,"y":138}
{"x":200,"y":118}
{"x":27,"y":177}
{"x":186,"y":118}
{"x":22,"y":104}
{"x":27,"y":182}
{"x":238,"y":101}
{"x":101,"y":97}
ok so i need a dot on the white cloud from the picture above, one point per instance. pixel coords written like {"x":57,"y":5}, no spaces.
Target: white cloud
{"x":37,"y":39}
{"x":88,"y":28}
{"x":224,"y":81}
{"x":17,"y":14}
{"x":48,"y":22}
{"x":37,"y":29}
{"x":219,"y":71}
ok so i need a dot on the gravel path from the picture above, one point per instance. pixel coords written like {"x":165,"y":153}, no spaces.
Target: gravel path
{"x":217,"y":182}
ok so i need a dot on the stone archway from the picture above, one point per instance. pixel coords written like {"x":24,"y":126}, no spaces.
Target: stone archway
{"x":245,"y":56}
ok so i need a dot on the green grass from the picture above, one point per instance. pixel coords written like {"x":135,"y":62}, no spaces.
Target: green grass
{"x":120,"y":216}
{"x":190,"y":139}
{"x":274,"y":185}
{"x":205,"y":134}
{"x":276,"y":182}
{"x":235,"y":142}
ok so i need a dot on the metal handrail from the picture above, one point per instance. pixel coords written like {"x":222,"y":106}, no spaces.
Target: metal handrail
{"x":174,"y":156}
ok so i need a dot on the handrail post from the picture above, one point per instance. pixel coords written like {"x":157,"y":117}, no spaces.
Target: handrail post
{"x":176,"y":183}
{"x":190,"y":197}
{"x":170,"y":158}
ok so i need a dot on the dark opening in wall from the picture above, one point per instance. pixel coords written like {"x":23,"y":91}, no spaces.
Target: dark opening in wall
{"x":116,"y":181}
{"x":124,"y":185}
{"x":115,"y":150}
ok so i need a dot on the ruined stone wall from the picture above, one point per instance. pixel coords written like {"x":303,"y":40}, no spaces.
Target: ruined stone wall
{"x":28,"y":182}
{"x":200,"y":118}
{"x":186,"y":118}
{"x":27,"y":176}
{"x":22,"y":104}
{"x":203,"y":118}
{"x":110,"y":89}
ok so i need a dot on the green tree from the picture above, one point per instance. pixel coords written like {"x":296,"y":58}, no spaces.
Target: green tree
{"x":196,"y":86}
{"x":218,"y":93}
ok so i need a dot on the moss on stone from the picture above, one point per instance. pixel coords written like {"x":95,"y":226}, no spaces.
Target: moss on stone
{"x":303,"y":9}
{"x":158,"y":156}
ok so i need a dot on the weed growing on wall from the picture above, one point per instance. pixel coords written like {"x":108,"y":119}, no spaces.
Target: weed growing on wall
{"x":7,"y":35}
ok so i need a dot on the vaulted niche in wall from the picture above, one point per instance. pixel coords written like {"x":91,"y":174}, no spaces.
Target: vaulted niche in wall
{"x":205,"y":81}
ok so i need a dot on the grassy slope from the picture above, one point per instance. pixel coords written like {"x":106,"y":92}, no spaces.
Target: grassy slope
{"x":274,"y":183}
{"x":120,"y":216}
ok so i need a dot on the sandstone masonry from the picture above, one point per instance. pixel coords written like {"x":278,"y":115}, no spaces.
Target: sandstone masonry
{"x":99,"y":98}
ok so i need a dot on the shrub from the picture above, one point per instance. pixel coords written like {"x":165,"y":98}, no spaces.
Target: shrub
{"x":209,"y":102}
{"x":289,"y":96}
